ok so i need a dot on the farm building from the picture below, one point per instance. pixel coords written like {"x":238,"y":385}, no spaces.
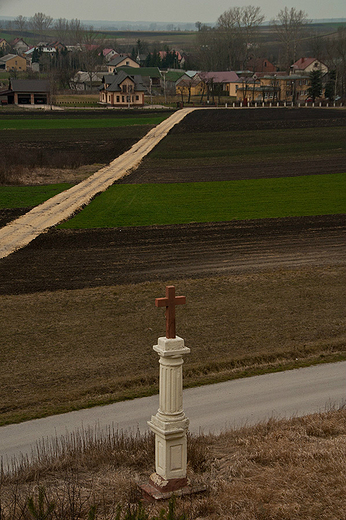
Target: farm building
{"x":27,"y":92}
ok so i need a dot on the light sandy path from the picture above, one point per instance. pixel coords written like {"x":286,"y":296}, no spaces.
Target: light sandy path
{"x":20,"y":232}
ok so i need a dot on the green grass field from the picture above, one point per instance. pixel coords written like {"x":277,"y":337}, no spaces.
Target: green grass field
{"x":53,"y":124}
{"x":160,"y":204}
{"x":28,"y":196}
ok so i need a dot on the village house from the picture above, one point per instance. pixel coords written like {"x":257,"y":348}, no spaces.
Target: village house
{"x":11,"y":62}
{"x":121,"y":61}
{"x":307,"y":65}
{"x":169,"y":80}
{"x":151,"y":77}
{"x":260,"y":65}
{"x":48,"y":51}
{"x":274,"y":88}
{"x":180,"y":60}
{"x":4,"y":45}
{"x":109,"y":54}
{"x":122,"y":90}
{"x":189,"y":84}
{"x":227,"y":82}
{"x":19,"y":45}
{"x":86,"y":81}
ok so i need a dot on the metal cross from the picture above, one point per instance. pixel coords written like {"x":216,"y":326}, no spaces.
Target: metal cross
{"x":170,"y":301}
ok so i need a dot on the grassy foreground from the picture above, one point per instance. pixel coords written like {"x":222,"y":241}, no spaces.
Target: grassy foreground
{"x":67,"y":350}
{"x":279,"y":470}
{"x":179,"y":203}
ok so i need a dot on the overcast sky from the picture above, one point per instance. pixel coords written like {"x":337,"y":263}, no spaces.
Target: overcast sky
{"x":162,"y":10}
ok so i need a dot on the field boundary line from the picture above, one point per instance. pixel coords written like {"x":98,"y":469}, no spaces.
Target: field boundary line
{"x":20,"y":232}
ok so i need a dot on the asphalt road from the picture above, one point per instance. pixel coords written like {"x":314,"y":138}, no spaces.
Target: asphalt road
{"x":211,"y":408}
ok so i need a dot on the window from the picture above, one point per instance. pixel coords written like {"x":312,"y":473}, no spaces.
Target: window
{"x":123,"y":88}
{"x":118,"y":99}
{"x":130,"y":88}
{"x":137,"y":98}
{"x":123,"y":99}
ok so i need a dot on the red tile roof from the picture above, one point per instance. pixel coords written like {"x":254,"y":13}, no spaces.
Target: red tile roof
{"x":302,"y":63}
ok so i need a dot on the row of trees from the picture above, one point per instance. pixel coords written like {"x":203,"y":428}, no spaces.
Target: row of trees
{"x":236,"y":37}
{"x":70,"y":32}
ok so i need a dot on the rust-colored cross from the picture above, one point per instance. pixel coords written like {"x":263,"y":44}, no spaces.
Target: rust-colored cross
{"x":170,"y":301}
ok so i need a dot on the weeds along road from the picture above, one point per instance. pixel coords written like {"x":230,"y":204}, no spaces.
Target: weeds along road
{"x":211,"y":408}
{"x":23,"y":230}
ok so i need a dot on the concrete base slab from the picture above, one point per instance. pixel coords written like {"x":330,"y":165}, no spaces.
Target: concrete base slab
{"x":160,"y":489}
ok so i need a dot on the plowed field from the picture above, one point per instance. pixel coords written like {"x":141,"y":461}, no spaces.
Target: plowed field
{"x":68,"y":259}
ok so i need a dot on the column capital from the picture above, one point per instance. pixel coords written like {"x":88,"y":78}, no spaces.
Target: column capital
{"x":171,"y":347}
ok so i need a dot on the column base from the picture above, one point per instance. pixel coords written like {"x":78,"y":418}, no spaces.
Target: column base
{"x":159,"y":488}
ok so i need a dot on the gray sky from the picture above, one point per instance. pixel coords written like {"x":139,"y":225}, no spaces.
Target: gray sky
{"x":161,"y":10}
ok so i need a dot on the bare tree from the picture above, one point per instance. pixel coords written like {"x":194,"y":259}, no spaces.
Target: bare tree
{"x":92,"y":55}
{"x":76,"y":30}
{"x":212,"y":53}
{"x":61,"y":26}
{"x":336,"y":60}
{"x":239,"y":27}
{"x":20,"y":23}
{"x":40,"y":22}
{"x":290,"y":26}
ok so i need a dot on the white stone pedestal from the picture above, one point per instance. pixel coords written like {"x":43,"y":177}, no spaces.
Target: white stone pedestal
{"x":170,"y":424}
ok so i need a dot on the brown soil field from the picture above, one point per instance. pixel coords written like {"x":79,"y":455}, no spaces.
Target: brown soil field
{"x":267,"y":289}
{"x":166,"y":169}
{"x":77,"y":259}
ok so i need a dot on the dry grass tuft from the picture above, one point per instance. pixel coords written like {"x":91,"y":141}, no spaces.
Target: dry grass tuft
{"x":287,"y":470}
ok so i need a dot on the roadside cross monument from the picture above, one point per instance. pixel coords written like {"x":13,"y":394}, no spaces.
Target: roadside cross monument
{"x":170,"y":301}
{"x":170,"y":424}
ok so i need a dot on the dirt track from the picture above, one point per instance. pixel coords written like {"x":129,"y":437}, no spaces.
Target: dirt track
{"x":64,"y":259}
{"x":20,"y":232}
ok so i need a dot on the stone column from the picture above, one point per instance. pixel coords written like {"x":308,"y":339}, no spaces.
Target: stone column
{"x":170,"y":424}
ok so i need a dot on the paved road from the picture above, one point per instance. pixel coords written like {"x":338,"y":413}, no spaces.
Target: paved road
{"x":22,"y":231}
{"x":210,"y":408}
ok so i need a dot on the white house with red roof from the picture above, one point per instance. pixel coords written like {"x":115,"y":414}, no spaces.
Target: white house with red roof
{"x":109,"y":54}
{"x":307,"y":65}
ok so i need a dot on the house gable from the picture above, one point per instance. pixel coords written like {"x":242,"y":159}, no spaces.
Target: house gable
{"x":307,"y":65}
{"x":121,"y":61}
